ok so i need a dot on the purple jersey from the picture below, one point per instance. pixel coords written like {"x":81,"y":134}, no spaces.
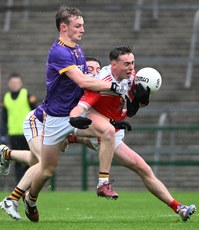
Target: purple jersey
{"x":63,"y":94}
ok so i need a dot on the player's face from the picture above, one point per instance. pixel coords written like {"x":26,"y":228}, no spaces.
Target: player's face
{"x":124,"y":66}
{"x":75,"y":29}
{"x":15,"y":84}
{"x":93,"y":67}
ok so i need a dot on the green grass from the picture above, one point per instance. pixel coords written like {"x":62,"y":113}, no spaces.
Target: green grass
{"x":84,"y":210}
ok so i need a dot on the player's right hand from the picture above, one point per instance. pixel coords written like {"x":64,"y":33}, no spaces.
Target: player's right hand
{"x":142,"y":94}
{"x":80,"y":122}
{"x":121,"y":124}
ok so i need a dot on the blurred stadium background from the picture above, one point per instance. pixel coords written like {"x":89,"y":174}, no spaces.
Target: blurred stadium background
{"x":165,"y":35}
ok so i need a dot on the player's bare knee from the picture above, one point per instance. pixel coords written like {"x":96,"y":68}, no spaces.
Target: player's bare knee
{"x":148,"y":171}
{"x":34,"y":160}
{"x":143,"y":170}
{"x":109,"y":133}
{"x":48,"y":173}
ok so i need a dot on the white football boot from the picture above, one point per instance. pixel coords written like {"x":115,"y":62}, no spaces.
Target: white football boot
{"x":11,"y":208}
{"x":185,"y":212}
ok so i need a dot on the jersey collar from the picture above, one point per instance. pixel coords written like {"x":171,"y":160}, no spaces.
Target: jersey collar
{"x":67,"y":43}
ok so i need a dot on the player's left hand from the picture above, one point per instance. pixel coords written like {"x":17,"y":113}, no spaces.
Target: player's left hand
{"x":121,"y":124}
{"x":80,"y":122}
{"x":141,"y":94}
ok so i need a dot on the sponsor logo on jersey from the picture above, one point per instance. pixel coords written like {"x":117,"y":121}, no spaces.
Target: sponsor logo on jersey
{"x":81,"y":67}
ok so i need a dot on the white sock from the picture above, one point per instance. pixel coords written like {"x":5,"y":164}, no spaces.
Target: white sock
{"x":102,"y":180}
{"x":30,"y":202}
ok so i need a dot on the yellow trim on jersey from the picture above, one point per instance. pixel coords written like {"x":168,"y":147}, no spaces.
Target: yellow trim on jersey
{"x":67,"y":68}
{"x":33,"y":126}
{"x":62,"y":43}
{"x":43,"y":124}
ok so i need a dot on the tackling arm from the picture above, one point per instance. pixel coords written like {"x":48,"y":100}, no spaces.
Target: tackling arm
{"x":86,"y":82}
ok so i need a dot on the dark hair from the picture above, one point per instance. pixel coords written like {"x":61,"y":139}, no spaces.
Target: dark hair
{"x":13,"y":75}
{"x":64,"y":13}
{"x":121,"y":50}
{"x":93,"y":59}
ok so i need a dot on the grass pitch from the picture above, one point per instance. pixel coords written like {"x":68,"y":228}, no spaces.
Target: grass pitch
{"x":84,"y":210}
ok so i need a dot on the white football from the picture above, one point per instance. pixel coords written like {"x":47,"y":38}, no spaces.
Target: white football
{"x":149,"y":77}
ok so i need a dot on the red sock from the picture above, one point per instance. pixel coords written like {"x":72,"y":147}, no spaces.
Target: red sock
{"x":174,"y":205}
{"x":72,"y":138}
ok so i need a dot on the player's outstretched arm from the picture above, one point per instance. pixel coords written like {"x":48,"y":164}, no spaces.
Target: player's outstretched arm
{"x":77,"y":111}
{"x":86,"y":82}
